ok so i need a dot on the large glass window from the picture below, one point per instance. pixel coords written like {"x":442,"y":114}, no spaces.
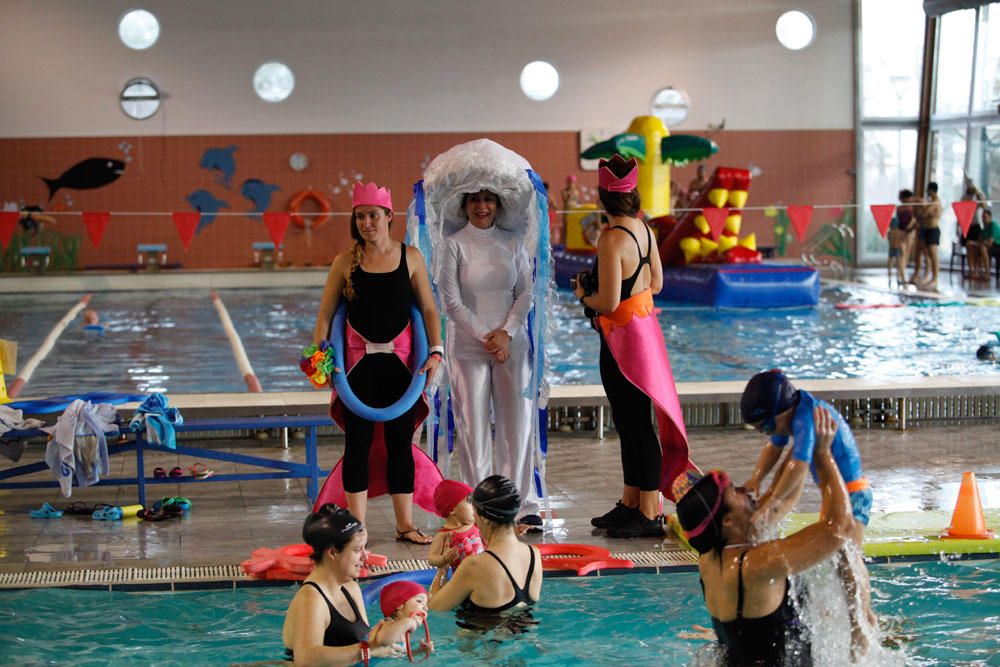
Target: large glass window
{"x":892,"y":43}
{"x":987,"y":95}
{"x":954,"y":62}
{"x":888,"y":159}
{"x":948,"y":149}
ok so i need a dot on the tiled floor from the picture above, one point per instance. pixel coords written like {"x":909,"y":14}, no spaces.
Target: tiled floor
{"x":916,"y":469}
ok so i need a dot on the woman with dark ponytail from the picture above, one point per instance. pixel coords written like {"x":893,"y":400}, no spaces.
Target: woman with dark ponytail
{"x":326,"y":621}
{"x":635,"y":370}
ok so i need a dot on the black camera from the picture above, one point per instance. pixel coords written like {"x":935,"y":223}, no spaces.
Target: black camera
{"x":586,"y":280}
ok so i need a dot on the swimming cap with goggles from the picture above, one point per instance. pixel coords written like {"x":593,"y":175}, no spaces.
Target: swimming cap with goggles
{"x":496,"y":498}
{"x":766,"y":396}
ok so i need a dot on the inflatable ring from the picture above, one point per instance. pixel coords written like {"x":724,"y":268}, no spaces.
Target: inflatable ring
{"x":371,"y":591}
{"x":318,"y":218}
{"x":344,"y":391}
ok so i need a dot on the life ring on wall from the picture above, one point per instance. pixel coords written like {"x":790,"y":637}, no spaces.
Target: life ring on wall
{"x":295,"y":203}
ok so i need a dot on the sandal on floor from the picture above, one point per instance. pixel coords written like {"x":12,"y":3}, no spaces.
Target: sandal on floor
{"x":151,"y":515}
{"x":201,"y":471}
{"x":159,"y":473}
{"x":405,"y":536}
{"x":80,"y":508}
{"x":108,"y":514}
{"x":176,"y":472}
{"x":46,"y":511}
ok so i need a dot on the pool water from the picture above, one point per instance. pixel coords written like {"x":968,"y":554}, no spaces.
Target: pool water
{"x":936,"y":613}
{"x":173,"y":341}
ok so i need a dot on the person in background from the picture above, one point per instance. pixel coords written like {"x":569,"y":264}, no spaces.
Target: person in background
{"x":485,"y":285}
{"x":901,"y":235}
{"x":746,"y":585}
{"x":991,"y":240}
{"x":380,"y":279}
{"x":929,"y":218}
{"x":635,"y":370}
{"x":326,"y":622}
{"x":698,"y":184}
{"x":555,"y":229}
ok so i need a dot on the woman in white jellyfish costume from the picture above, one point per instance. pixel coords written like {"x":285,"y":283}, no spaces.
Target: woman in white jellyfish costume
{"x":476,"y":214}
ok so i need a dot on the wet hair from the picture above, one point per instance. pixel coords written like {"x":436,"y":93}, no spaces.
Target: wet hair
{"x":986,"y":352}
{"x":331,"y":527}
{"x":905,"y":194}
{"x":356,"y":252}
{"x":701,"y":511}
{"x":496,"y":499}
{"x":620,"y":203}
{"x":932,"y":187}
{"x":767,"y":395}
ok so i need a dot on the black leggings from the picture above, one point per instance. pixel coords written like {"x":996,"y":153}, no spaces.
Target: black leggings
{"x":379,"y":380}
{"x":632,"y":411}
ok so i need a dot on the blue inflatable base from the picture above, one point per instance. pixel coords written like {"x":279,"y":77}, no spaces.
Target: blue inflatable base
{"x":741,"y":285}
{"x":568,"y":264}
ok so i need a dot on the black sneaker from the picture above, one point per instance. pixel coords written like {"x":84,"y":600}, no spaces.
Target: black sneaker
{"x":638,"y":526}
{"x":618,"y":514}
{"x":532,"y":521}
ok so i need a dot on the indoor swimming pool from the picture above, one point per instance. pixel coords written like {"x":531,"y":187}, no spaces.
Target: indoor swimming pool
{"x":173,"y":341}
{"x":932,"y":613}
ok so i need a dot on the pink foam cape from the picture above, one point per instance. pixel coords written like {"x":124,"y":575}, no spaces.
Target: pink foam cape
{"x":426,"y":475}
{"x":639,"y":349}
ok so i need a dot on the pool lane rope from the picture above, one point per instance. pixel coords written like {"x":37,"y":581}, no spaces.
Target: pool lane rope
{"x":46,"y":347}
{"x":239,"y":354}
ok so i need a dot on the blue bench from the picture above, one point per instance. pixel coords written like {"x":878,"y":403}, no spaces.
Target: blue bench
{"x":309,"y":470}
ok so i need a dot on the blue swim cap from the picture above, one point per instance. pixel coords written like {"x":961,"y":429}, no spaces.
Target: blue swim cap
{"x":767,"y":395}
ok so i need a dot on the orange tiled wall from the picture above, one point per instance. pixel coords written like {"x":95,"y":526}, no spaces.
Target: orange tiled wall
{"x":799,"y":167}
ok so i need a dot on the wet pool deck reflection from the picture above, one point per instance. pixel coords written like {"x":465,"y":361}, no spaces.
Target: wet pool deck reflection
{"x":916,"y":469}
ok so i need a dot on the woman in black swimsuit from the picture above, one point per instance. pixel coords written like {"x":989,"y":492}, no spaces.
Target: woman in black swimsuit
{"x":507,"y":575}
{"x":326,"y":621}
{"x":746,"y":585}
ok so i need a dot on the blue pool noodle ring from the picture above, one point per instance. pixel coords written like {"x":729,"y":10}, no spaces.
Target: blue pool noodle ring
{"x":344,"y":391}
{"x":371,"y":591}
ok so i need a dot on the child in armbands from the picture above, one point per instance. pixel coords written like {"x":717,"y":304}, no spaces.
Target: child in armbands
{"x":459,"y":537}
{"x":403,"y":601}
{"x":772,"y":405}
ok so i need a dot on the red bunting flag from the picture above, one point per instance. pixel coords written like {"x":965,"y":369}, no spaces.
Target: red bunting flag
{"x":800,"y":216}
{"x":716,"y":220}
{"x":277,"y":225}
{"x":883,"y":216}
{"x":96,"y":223}
{"x":186,"y":223}
{"x":964,"y":210}
{"x":8,"y":223}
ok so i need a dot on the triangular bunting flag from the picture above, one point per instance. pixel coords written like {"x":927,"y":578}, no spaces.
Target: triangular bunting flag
{"x":800,"y":216}
{"x":883,"y":216}
{"x":277,"y":225}
{"x":8,"y":223}
{"x":964,"y":210}
{"x":716,"y":220}
{"x":186,"y":222}
{"x":96,"y":223}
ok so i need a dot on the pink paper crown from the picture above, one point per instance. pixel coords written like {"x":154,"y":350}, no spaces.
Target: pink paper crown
{"x":606,"y":179}
{"x":371,"y":195}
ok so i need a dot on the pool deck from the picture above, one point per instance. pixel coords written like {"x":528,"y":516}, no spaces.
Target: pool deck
{"x":914,"y":470}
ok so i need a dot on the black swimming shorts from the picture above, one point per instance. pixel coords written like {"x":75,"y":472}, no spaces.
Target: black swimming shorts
{"x":931,"y":236}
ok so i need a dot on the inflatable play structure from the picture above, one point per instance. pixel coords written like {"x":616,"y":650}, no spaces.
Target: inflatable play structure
{"x":705,"y":260}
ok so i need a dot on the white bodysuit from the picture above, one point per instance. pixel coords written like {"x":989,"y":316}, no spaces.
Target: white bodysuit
{"x":485,"y":284}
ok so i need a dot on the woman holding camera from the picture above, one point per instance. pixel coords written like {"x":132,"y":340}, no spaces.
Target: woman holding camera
{"x":634,"y":366}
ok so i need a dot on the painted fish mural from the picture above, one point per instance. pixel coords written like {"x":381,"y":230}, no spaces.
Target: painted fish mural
{"x":205,"y":201}
{"x":259,"y":193}
{"x":95,"y":172}
{"x":220,"y":160}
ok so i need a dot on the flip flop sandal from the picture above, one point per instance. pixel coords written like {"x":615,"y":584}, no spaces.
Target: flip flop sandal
{"x":403,"y":536}
{"x":46,"y":511}
{"x":160,"y":473}
{"x":169,"y":506}
{"x":80,"y":508}
{"x":151,"y":515}
{"x":176,"y":472}
{"x":108,"y":514}
{"x":201,"y":471}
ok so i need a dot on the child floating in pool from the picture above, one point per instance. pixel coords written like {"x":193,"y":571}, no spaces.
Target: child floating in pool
{"x":771,"y":404}
{"x":459,"y":537}
{"x":402,"y":600}
{"x":92,"y":326}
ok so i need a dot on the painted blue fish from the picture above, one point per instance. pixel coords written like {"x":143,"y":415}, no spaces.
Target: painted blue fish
{"x":259,"y":193}
{"x":92,"y":173}
{"x":220,"y":160}
{"x":205,"y":201}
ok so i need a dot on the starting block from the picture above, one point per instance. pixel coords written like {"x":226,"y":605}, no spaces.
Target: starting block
{"x":265,"y":255}
{"x":152,"y":256}
{"x":36,"y":258}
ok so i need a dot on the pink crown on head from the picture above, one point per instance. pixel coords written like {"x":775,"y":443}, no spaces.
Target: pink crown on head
{"x":371,"y":195}
{"x":606,"y":179}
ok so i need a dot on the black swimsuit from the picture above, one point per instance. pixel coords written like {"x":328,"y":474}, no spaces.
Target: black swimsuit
{"x":629,"y":283}
{"x":473,"y":617}
{"x":340,"y":632}
{"x":778,"y":638}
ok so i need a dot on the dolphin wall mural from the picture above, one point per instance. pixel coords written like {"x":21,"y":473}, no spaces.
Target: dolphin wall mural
{"x":220,"y":160}
{"x":205,"y":202}
{"x":259,"y":193}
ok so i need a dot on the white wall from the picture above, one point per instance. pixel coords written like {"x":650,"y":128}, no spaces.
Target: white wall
{"x":420,"y":65}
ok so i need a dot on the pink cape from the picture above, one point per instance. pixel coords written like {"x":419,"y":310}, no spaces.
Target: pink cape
{"x":641,"y":354}
{"x":426,"y":475}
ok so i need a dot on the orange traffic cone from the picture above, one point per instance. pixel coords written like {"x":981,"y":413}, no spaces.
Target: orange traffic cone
{"x":967,"y":522}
